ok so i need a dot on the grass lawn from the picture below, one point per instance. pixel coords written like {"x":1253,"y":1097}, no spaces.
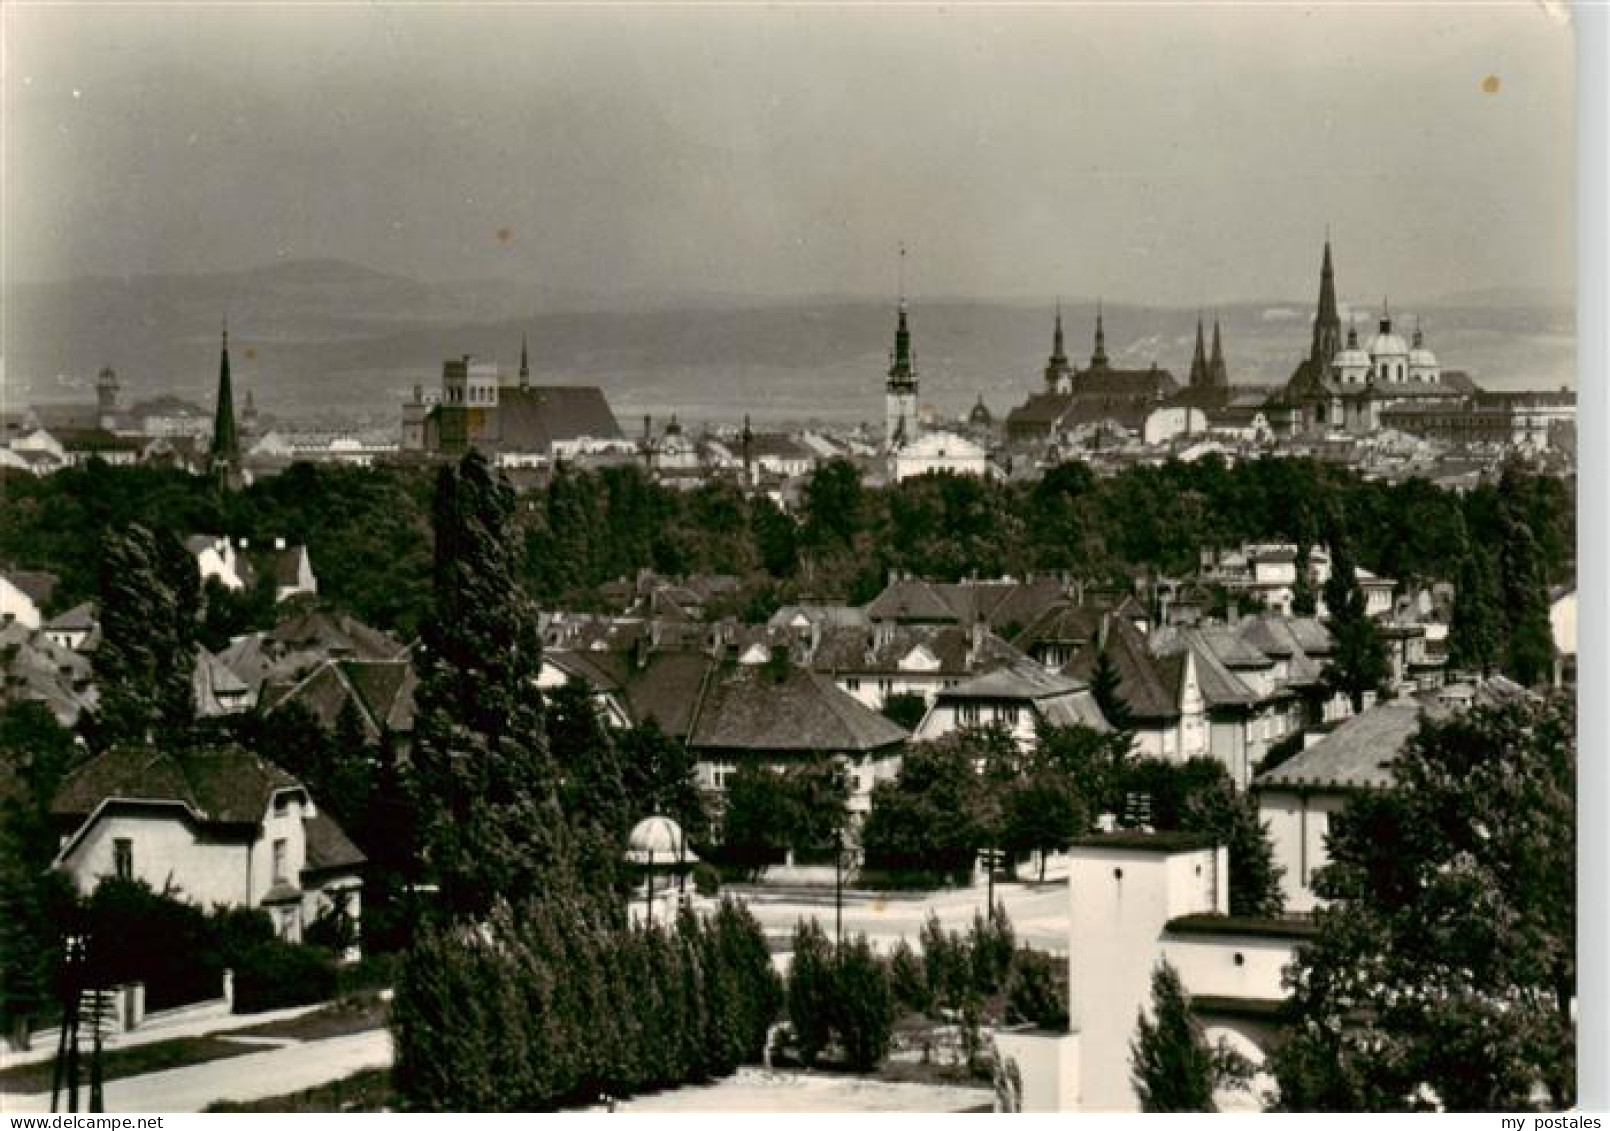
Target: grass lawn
{"x":354,"y":1014}
{"x":369,"y":1090}
{"x":33,"y":1079}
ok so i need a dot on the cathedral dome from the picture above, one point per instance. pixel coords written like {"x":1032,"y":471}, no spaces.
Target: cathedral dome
{"x":1387,"y":344}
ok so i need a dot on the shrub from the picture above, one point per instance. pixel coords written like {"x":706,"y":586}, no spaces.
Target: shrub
{"x":907,"y":978}
{"x":1035,"y":993}
{"x":706,"y":880}
{"x":275,"y":974}
{"x":810,"y":991}
{"x":863,"y":1013}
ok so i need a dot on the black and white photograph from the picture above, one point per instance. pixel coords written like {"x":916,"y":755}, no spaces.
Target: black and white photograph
{"x":806,"y":558}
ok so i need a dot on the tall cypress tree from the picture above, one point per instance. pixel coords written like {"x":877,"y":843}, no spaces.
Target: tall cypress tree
{"x":149,"y":596}
{"x":1358,"y":661}
{"x":1475,"y":635}
{"x":1174,"y":1068}
{"x":1528,"y":655}
{"x":483,"y":776}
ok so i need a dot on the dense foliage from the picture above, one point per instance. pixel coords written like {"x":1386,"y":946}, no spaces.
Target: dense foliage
{"x":769,"y":812}
{"x":553,"y":1005}
{"x":484,"y":776}
{"x":1444,"y":970}
{"x":1173,"y":1066}
{"x":368,"y":530}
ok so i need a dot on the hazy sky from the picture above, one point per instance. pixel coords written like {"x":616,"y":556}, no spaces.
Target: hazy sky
{"x":1182,"y":154}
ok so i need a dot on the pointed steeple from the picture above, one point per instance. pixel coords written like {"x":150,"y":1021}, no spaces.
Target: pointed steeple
{"x":1057,"y":369}
{"x":747,"y":436}
{"x":1218,"y":373}
{"x":902,"y":363}
{"x":224,"y":455}
{"x":1199,"y":365}
{"x":525,"y":365}
{"x":1419,"y":335}
{"x":1327,"y":322}
{"x":1098,"y":356}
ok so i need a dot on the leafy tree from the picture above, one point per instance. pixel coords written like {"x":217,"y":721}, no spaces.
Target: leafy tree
{"x":1358,"y":663}
{"x":811,"y":990}
{"x":659,"y":776}
{"x":36,"y":753}
{"x":924,"y":818}
{"x":770,"y":811}
{"x":1104,"y":688}
{"x":1174,"y":1068}
{"x":907,"y":979}
{"x":592,"y":791}
{"x":1475,"y":636}
{"x":832,"y":504}
{"x":905,"y":709}
{"x":1528,"y":655}
{"x":1230,"y":816}
{"x":149,"y":602}
{"x":776,"y":537}
{"x":1037,"y":991}
{"x":482,"y":769}
{"x":1444,"y":970}
{"x":863,"y":1004}
{"x":1303,"y":598}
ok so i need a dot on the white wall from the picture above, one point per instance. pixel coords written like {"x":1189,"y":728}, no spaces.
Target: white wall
{"x":1120,"y":899}
{"x":1297,"y":826}
{"x":16,"y":605}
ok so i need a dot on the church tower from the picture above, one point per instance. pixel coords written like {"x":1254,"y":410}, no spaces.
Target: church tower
{"x":1058,"y":373}
{"x":525,"y":365}
{"x":1218,"y":374}
{"x":224,"y":456}
{"x":1327,"y":322}
{"x":1199,"y":363}
{"x":106,"y":392}
{"x":1098,"y":356}
{"x":900,"y":392}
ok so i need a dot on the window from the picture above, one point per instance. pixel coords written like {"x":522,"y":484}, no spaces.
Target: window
{"x":1007,"y":714}
{"x":279,"y":861}
{"x":853,"y":683}
{"x":123,"y":858}
{"x":967,"y":714}
{"x":282,"y":804}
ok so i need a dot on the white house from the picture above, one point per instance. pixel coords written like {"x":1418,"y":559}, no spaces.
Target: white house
{"x":1018,"y":697}
{"x":1562,"y":623}
{"x":1297,"y":798}
{"x":219,"y":826}
{"x":215,"y":560}
{"x":941,"y":451}
{"x":23,"y":594}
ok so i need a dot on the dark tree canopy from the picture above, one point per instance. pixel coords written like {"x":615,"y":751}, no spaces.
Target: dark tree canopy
{"x":1444,"y":971}
{"x":483,"y":770}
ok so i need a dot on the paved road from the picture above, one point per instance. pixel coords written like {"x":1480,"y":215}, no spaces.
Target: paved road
{"x":251,"y":1077}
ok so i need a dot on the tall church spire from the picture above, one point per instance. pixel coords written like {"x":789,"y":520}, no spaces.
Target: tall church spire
{"x":900,"y":391}
{"x":1199,"y":364}
{"x":525,"y":365}
{"x":224,"y":455}
{"x":1327,"y":322}
{"x":1057,"y":369}
{"x":1098,"y":356}
{"x":1218,"y":374}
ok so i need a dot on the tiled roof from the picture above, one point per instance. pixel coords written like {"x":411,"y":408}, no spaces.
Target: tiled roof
{"x":37,"y":584}
{"x":1219,"y":685}
{"x":226,"y":785}
{"x":79,"y":618}
{"x":533,"y":419}
{"x":1358,"y":754}
{"x":753,"y":708}
{"x":853,"y":651}
{"x":666,"y":689}
{"x":330,"y":633}
{"x":1023,"y":680}
{"x":1041,"y":410}
{"x":1078,"y":708}
{"x":1149,"y":685}
{"x":912,"y":599}
{"x":328,"y":848}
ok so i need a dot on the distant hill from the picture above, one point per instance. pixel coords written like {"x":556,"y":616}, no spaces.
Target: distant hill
{"x":311,"y":336}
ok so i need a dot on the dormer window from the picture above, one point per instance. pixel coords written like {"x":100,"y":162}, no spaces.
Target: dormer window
{"x":282,"y":804}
